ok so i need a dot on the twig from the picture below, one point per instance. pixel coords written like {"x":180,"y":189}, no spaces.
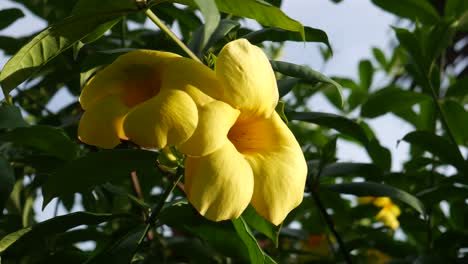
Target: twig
{"x":171,"y":34}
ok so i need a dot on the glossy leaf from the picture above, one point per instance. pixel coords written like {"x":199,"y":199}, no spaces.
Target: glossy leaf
{"x":438,"y":146}
{"x":9,"y":16}
{"x":256,"y":254}
{"x":391,"y":99}
{"x":50,"y":140}
{"x":279,"y":35}
{"x":305,"y":73}
{"x":98,"y":168}
{"x":416,"y":10}
{"x":339,"y":123}
{"x":10,"y":117}
{"x":257,"y":222}
{"x":377,"y":190}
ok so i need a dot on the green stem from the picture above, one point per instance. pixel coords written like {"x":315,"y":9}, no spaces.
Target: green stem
{"x":171,"y":34}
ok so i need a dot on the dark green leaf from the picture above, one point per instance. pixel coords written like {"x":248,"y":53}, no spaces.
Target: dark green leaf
{"x":55,"y":225}
{"x":391,"y":99}
{"x":377,"y":190}
{"x":366,"y":170}
{"x":455,"y":8}
{"x":459,"y":88}
{"x":53,"y":41}
{"x":305,"y":73}
{"x":261,"y":224}
{"x":416,"y":10}
{"x":219,"y":235}
{"x":122,"y":251}
{"x":8,"y":16}
{"x":457,"y":119}
{"x":278,"y":35}
{"x":50,"y":140}
{"x":438,"y":146}
{"x":98,"y":168}
{"x":100,"y":31}
{"x":210,"y":13}
{"x":256,"y":254}
{"x":10,"y":117}
{"x":380,"y":155}
{"x":340,"y":123}
{"x":225,"y":27}
{"x":285,"y":85}
{"x":7,"y":181}
{"x":366,"y":74}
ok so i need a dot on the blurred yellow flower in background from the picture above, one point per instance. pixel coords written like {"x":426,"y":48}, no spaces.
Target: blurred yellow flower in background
{"x":389,"y":212}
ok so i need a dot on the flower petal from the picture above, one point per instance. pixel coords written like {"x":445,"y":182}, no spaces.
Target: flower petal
{"x":279,"y":169}
{"x":249,"y":80}
{"x":191,"y":76}
{"x":127,"y":69}
{"x":101,"y":124}
{"x":214,"y":121}
{"x":219,"y":185}
{"x":167,"y":119}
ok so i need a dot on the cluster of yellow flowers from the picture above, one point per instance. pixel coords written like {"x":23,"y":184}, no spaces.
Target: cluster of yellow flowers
{"x":389,"y":212}
{"x":238,"y":149}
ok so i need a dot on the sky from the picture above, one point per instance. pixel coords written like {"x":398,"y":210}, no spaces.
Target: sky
{"x":353,"y":28}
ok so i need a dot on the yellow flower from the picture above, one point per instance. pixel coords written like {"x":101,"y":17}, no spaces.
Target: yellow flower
{"x":389,"y":212}
{"x":138,"y":98}
{"x":253,"y":157}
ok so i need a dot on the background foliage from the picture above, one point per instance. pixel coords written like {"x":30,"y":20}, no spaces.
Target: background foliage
{"x":120,"y":193}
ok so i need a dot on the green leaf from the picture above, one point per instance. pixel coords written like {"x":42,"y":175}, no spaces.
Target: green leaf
{"x":457,"y":119}
{"x":225,"y":27}
{"x":256,"y":254}
{"x":7,"y":182}
{"x":380,"y":57}
{"x":462,"y":23}
{"x":220,"y":235}
{"x":366,"y":74}
{"x":339,"y":123}
{"x":377,"y":190}
{"x":391,"y":99}
{"x":366,"y":170}
{"x":285,"y":85}
{"x":122,"y":251}
{"x":380,"y":155}
{"x":210,"y":13}
{"x":53,"y":41}
{"x":264,"y":13}
{"x":56,"y":225}
{"x":98,"y":168}
{"x":437,"y":145}
{"x":305,"y":73}
{"x":459,"y":88}
{"x":10,"y":117}
{"x":416,"y":10}
{"x":279,"y":35}
{"x":100,"y":31}
{"x":261,"y":224}
{"x":9,"y":16}
{"x":50,"y":140}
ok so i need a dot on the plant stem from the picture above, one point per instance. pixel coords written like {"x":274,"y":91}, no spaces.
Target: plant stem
{"x":171,"y":34}
{"x":331,"y":226}
{"x":156,"y":210}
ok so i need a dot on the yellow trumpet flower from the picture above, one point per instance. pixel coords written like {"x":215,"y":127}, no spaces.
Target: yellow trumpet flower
{"x":257,"y":159}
